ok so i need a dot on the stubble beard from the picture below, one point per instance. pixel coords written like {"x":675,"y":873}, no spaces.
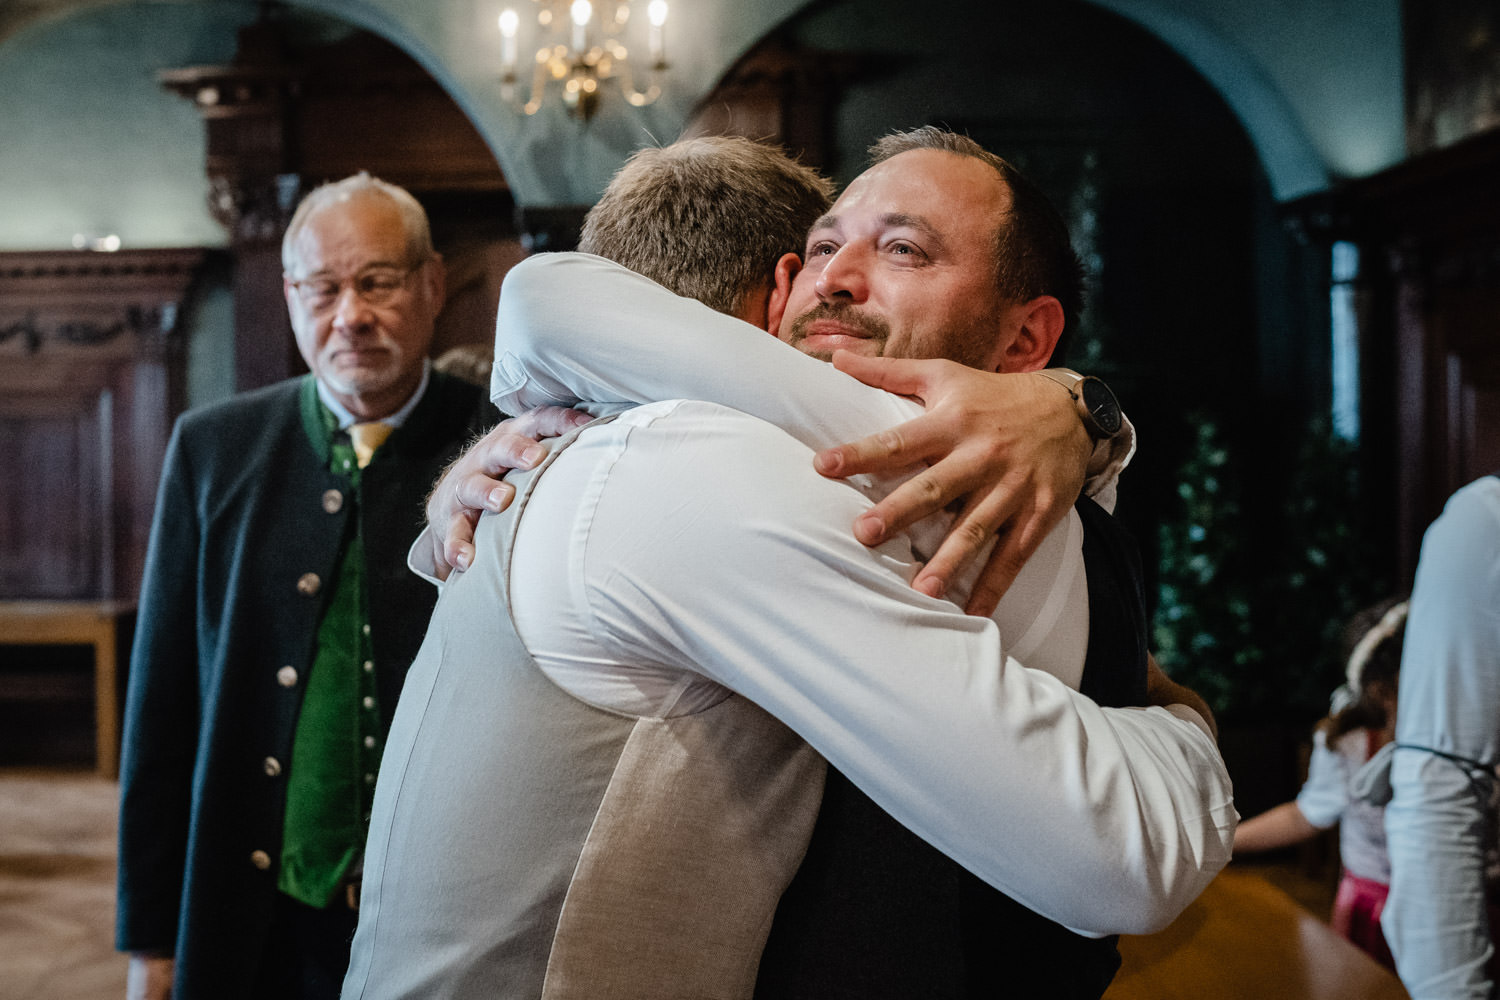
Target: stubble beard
{"x":877,"y":330}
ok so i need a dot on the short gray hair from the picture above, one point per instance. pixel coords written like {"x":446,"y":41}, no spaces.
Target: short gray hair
{"x":361,"y":185}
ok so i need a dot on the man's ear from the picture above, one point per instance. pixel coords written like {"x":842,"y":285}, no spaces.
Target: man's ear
{"x":1038,"y":324}
{"x":786,"y":272}
{"x":435,"y":274}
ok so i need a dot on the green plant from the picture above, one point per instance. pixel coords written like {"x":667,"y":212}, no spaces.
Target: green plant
{"x":1250,"y":609}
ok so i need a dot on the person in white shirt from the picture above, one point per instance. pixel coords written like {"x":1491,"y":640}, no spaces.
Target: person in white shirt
{"x":750,"y":582}
{"x":1441,"y":821}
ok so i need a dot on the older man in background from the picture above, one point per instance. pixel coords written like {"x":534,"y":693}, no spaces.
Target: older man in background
{"x":277,"y":620}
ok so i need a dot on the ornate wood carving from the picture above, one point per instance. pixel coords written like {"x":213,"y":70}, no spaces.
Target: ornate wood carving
{"x":91,"y":377}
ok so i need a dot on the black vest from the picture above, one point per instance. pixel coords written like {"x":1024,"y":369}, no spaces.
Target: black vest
{"x":875,"y":912}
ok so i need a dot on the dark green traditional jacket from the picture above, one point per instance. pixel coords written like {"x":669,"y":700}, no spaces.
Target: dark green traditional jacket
{"x":244,"y":545}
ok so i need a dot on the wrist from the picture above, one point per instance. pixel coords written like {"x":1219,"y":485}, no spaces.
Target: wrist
{"x":1098,"y":409}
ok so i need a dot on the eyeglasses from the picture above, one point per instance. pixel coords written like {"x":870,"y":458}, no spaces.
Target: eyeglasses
{"x":375,"y":286}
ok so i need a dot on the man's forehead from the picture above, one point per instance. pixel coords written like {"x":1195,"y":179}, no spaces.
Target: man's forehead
{"x":369,"y":229}
{"x":922,"y":184}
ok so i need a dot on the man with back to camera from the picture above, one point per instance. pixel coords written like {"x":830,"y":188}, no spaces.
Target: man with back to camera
{"x":277,"y":620}
{"x":844,"y":738}
{"x":1441,"y":823}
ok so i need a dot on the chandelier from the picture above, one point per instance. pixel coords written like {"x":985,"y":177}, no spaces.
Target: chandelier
{"x":579,"y":48}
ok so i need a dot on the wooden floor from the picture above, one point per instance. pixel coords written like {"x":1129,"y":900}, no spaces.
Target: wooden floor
{"x":1246,"y":938}
{"x":57,"y":886}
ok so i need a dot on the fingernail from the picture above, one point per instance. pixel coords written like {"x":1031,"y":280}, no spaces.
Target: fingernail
{"x":463,"y":559}
{"x":828,"y":463}
{"x":870,"y":529}
{"x":930,"y":585}
{"x":495,"y":499}
{"x":533,"y":455}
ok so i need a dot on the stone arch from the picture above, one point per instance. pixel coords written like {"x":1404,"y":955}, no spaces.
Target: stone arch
{"x":1292,"y":164}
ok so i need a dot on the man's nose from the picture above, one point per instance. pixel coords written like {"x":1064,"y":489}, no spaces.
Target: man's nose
{"x":844,"y":277}
{"x":350,"y":311}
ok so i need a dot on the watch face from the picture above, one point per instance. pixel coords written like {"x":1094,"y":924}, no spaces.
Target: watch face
{"x":1102,"y":404}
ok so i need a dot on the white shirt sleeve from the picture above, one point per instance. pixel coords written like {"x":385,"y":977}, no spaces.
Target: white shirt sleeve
{"x":553,"y":346}
{"x":1435,"y":918}
{"x":1325,"y":793}
{"x":700,"y":541}
{"x":421,"y":561}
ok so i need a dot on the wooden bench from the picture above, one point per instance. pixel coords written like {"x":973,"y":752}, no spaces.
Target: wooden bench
{"x":102,"y":625}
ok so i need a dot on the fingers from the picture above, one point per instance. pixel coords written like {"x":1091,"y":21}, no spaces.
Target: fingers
{"x":890,"y":451}
{"x":545,"y":422}
{"x":458,"y":539}
{"x":1019,"y":535}
{"x":921,"y":495}
{"x":987,"y":513}
{"x":476,"y":491}
{"x":902,"y":376}
{"x":1017,"y":520}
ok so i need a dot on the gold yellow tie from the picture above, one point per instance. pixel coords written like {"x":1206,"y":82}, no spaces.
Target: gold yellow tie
{"x":366,"y":438}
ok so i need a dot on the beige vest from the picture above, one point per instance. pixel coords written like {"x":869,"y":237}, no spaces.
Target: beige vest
{"x":525,"y":844}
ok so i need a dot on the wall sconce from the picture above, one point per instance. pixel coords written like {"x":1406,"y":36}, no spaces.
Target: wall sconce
{"x":578,"y":51}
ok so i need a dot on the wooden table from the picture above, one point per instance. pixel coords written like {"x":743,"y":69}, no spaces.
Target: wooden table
{"x":99,"y":624}
{"x":1245,"y":938}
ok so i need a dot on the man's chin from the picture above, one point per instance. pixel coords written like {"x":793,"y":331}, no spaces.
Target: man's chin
{"x":359,"y":381}
{"x":823,"y":346}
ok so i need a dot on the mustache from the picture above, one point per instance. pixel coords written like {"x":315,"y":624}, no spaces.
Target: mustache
{"x":873,"y":326}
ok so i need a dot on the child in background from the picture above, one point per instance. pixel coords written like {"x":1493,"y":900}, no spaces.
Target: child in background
{"x":1362,"y":719}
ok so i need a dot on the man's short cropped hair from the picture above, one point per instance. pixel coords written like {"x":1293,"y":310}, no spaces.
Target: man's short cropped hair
{"x":361,"y":185}
{"x":1033,"y":252}
{"x":707,"y":217}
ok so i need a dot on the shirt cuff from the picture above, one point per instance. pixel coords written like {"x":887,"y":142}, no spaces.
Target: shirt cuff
{"x":1109,"y":459}
{"x":420,"y":560}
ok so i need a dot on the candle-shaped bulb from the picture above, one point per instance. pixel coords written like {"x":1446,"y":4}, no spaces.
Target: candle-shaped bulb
{"x":582,"y":10}
{"x":508,"y":23}
{"x":657,"y":12}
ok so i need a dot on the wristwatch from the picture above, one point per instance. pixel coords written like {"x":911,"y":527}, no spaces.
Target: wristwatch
{"x":1097,"y":406}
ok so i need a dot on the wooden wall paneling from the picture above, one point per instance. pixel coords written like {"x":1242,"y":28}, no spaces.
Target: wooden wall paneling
{"x":91,"y":378}
{"x":782,"y":93}
{"x":1432,"y":226}
{"x":54,"y":478}
{"x":364,"y":104}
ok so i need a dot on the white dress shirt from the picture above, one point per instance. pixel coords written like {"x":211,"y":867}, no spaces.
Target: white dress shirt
{"x":686,"y":545}
{"x":1435,"y":918}
{"x":1326,"y":798}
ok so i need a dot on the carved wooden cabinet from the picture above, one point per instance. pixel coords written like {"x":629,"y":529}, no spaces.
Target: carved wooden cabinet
{"x":91,"y":377}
